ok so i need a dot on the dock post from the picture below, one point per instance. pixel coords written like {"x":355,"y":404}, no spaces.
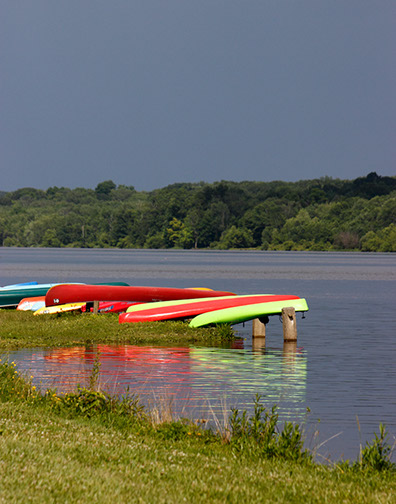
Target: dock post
{"x":95,"y":307}
{"x":258,"y":327}
{"x":289,"y":324}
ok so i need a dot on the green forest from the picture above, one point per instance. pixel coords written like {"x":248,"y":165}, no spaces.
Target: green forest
{"x":321,"y":214}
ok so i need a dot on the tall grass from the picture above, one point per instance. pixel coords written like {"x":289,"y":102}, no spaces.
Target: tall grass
{"x":260,"y":434}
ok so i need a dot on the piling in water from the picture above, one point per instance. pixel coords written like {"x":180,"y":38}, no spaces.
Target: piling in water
{"x":258,"y":328}
{"x":289,"y":324}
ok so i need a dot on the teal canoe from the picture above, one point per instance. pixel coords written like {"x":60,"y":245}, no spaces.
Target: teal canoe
{"x":18,"y":285}
{"x":10,"y":297}
{"x":244,"y":313}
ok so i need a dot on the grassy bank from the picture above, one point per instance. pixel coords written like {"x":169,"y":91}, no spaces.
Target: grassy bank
{"x":88,"y":447}
{"x":19,"y":329}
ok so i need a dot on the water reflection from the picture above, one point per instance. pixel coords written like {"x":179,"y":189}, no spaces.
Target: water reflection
{"x":200,"y":382}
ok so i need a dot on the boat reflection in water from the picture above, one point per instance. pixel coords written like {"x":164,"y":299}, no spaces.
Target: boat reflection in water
{"x":199,"y":382}
{"x":234,"y":378}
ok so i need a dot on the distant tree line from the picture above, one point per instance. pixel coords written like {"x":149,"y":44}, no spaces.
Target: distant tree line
{"x":320,"y":214}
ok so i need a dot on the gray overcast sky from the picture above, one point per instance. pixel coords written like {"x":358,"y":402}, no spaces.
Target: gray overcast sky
{"x":152,"y":92}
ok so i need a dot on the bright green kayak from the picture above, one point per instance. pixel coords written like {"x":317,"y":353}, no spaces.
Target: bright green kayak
{"x":247,"y":312}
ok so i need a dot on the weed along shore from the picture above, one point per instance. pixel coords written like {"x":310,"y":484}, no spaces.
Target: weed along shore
{"x":88,"y":446}
{"x":19,"y":329}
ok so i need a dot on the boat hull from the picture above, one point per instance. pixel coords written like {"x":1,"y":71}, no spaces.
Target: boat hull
{"x":62,"y":294}
{"x":190,"y":308}
{"x":50,"y":310}
{"x":31,"y":303}
{"x":244,"y":313}
{"x":10,"y":297}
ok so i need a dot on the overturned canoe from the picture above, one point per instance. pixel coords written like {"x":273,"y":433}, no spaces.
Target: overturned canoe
{"x":62,"y":294}
{"x":51,"y":310}
{"x":10,"y":297}
{"x":244,"y":313}
{"x":31,"y":303}
{"x":110,"y":306}
{"x":149,"y":312}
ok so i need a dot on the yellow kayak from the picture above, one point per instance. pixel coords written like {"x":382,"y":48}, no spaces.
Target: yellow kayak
{"x":47,"y":310}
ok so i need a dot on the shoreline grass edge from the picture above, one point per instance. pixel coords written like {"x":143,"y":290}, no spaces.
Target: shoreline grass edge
{"x":21,"y":329}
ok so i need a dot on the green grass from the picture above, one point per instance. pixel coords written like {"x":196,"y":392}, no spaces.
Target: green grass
{"x":89,"y":447}
{"x":19,"y":329}
{"x":47,"y":458}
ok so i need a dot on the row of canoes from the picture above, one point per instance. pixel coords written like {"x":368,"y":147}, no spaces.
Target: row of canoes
{"x":143,"y":304}
{"x":11,"y":295}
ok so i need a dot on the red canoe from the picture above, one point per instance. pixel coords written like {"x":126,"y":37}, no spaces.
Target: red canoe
{"x":190,"y":308}
{"x":67,"y":293}
{"x":111,"y":306}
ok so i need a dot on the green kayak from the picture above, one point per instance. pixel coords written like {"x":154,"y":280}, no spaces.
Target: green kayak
{"x":247,"y":312}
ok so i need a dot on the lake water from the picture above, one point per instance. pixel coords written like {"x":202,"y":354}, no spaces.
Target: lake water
{"x":343,"y":369}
